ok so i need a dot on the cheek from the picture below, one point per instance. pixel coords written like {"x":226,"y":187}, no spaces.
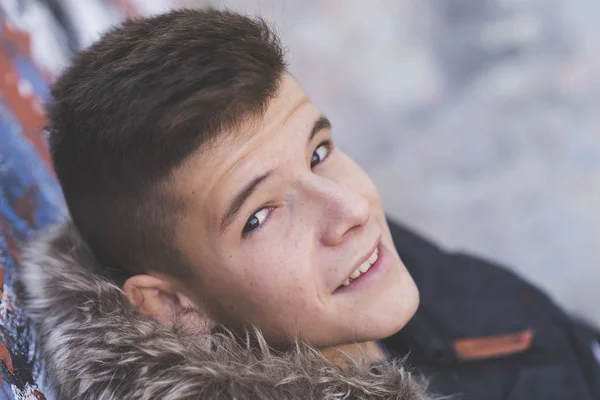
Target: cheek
{"x":275,"y":271}
{"x":261,"y":285}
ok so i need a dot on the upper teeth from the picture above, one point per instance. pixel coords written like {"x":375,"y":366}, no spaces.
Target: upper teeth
{"x":364,"y":267}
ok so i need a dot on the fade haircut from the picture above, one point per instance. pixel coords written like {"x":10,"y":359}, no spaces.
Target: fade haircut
{"x":134,"y":106}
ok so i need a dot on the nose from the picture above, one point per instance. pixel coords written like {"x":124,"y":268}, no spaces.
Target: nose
{"x":342,"y":209}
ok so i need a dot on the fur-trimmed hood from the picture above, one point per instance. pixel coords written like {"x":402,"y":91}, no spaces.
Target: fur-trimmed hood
{"x":96,"y":346}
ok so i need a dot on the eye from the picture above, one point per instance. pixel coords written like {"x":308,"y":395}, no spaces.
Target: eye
{"x":255,"y":221}
{"x":320,"y":153}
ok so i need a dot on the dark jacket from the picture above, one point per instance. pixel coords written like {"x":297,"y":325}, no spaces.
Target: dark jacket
{"x":481,"y":332}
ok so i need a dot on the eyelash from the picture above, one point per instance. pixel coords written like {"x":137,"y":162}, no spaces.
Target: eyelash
{"x":259,"y":227}
{"x":329,"y":146}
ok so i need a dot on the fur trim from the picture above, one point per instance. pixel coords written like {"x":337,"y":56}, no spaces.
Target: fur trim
{"x":96,"y":346}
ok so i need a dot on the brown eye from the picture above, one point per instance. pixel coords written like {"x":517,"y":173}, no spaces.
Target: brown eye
{"x":320,"y":154}
{"x":255,"y":221}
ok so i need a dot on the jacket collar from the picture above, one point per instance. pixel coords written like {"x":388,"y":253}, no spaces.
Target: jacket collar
{"x":97,"y":346}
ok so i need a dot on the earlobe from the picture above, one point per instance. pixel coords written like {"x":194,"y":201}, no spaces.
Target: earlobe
{"x":152,"y":296}
{"x":188,"y":315}
{"x":156,"y":297}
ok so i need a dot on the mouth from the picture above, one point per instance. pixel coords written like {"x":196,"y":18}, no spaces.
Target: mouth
{"x":363,"y":269}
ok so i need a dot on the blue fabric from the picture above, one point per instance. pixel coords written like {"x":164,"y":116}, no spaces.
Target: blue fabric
{"x":30,"y":199}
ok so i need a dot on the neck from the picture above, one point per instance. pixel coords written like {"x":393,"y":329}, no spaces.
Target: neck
{"x":366,"y":352}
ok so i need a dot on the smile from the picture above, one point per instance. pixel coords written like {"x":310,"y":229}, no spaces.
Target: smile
{"x":363,"y":268}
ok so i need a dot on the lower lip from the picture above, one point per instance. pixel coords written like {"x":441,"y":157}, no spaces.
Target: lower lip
{"x":372,"y":275}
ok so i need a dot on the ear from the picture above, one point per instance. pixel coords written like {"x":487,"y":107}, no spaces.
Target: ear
{"x":158,"y":297}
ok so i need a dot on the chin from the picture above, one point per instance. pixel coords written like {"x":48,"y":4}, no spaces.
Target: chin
{"x":383,"y":320}
{"x":394,"y":311}
{"x":410,"y":306}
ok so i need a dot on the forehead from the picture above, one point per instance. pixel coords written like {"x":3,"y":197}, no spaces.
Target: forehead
{"x":208,"y":175}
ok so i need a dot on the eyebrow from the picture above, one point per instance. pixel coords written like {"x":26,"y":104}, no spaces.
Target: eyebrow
{"x":320,"y":124}
{"x":240,"y":199}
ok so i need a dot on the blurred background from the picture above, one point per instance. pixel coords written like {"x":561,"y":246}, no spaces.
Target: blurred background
{"x":479,"y":120}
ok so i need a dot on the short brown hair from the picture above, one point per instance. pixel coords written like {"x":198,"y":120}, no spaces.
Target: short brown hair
{"x":135,"y":105}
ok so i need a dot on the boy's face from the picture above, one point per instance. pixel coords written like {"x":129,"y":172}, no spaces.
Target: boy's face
{"x":277,"y":220}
